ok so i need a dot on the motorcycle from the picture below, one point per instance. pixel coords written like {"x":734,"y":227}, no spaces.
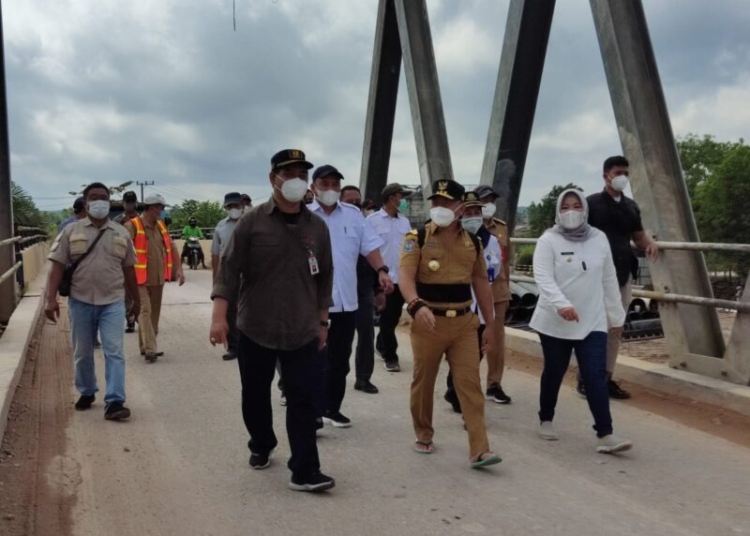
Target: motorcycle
{"x":194,"y":252}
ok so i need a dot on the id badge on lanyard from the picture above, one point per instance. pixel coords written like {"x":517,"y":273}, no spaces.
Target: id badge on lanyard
{"x":312,"y":262}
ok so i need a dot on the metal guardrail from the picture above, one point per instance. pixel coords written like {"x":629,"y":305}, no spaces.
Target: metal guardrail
{"x":24,"y":239}
{"x":678,"y":246}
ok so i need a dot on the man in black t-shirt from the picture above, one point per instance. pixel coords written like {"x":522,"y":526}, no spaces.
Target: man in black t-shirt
{"x":619,"y":218}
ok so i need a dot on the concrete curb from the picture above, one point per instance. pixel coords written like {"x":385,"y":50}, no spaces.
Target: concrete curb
{"x":14,"y":344}
{"x":654,"y":376}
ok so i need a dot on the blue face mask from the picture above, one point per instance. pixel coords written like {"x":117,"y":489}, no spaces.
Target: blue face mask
{"x":403,"y":205}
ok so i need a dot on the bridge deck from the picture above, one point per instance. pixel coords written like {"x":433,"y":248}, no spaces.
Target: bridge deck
{"x":180,"y":465}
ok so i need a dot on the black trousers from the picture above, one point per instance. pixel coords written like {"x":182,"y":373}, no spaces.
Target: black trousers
{"x":364,"y":357}
{"x":301,"y":369}
{"x":480,"y":332}
{"x":337,"y":352}
{"x":389,"y":317}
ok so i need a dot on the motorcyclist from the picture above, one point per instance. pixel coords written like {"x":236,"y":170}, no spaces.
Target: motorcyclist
{"x":192,"y":231}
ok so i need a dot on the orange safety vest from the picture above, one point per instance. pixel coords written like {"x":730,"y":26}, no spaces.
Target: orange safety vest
{"x":141,"y":251}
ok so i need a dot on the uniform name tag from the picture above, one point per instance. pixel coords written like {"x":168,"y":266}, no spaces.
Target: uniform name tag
{"x":312,"y":262}
{"x":567,"y":253}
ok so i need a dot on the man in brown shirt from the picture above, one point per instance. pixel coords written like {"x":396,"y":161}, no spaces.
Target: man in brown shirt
{"x":103,"y":256}
{"x":152,"y":269}
{"x":278,"y":262}
{"x":500,"y":293}
{"x":130,"y":211}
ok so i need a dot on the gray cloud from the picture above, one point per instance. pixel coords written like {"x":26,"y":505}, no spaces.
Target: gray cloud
{"x":166,"y":91}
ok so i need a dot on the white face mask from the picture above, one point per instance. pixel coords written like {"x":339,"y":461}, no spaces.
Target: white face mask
{"x":472,"y":224}
{"x":488,"y":210}
{"x":619,"y":183}
{"x":442,"y":216}
{"x":293,"y":190}
{"x":235,"y":213}
{"x":98,"y":209}
{"x":328,"y":197}
{"x":572,"y":219}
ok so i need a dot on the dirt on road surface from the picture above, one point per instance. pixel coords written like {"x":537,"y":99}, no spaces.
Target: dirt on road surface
{"x":37,"y":486}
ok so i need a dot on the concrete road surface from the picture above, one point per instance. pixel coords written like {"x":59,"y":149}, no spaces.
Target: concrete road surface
{"x":179,"y":467}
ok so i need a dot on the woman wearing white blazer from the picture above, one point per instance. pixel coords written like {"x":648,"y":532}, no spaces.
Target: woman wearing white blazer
{"x":579,"y":301}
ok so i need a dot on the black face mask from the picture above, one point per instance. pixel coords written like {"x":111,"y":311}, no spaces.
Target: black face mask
{"x":193,"y":224}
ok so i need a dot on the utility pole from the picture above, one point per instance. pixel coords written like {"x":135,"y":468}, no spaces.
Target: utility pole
{"x":7,"y":253}
{"x":142,"y":184}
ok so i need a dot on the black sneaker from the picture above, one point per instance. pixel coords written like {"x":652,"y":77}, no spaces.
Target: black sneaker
{"x":499,"y":396}
{"x":337,"y":419}
{"x":116,"y":412}
{"x":581,"y":389}
{"x":365,"y":386}
{"x":85,"y":402}
{"x":315,"y":482}
{"x":617,"y":392}
{"x":260,"y":461}
{"x":392,"y":365}
{"x":228,"y":356}
{"x":451,"y":397}
{"x":130,"y":328}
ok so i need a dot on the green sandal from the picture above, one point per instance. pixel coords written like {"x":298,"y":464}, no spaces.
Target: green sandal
{"x":483,"y":462}
{"x":429,"y":447}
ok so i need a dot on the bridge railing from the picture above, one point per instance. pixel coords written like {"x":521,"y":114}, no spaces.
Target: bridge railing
{"x":26,"y":238}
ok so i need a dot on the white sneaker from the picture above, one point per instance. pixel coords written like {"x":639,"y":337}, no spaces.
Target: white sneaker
{"x":611,"y":444}
{"x":547,"y":431}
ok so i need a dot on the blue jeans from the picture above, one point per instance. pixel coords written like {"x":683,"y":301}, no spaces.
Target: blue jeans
{"x":85,"y":321}
{"x":591,"y":354}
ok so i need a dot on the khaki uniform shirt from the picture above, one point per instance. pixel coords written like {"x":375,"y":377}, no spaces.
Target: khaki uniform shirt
{"x":447,"y":257}
{"x":99,"y":279}
{"x":123,"y":218}
{"x":279,"y":268}
{"x":157,"y":252}
{"x":501,"y":285}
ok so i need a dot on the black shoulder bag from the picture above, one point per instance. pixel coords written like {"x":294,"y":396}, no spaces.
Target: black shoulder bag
{"x":67,"y":278}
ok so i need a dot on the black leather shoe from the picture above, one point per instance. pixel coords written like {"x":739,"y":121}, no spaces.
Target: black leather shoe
{"x":365,"y":386}
{"x":116,"y":412}
{"x":617,"y":392}
{"x":85,"y":402}
{"x":229,"y":356}
{"x":157,"y":354}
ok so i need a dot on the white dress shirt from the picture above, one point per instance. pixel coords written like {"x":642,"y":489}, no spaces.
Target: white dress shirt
{"x":579,"y":275}
{"x":392,"y":232}
{"x":351,"y":236}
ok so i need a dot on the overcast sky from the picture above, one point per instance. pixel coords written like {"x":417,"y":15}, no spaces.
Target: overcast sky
{"x":165,"y":90}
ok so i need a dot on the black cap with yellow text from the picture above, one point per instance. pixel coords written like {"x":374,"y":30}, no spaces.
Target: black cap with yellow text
{"x":287,"y":157}
{"x":448,"y":189}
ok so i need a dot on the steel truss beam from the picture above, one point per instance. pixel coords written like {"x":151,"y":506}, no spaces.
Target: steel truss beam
{"x":516,"y":93}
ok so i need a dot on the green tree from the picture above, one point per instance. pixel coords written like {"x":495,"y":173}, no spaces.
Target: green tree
{"x":721,"y":208}
{"x":208,"y":213}
{"x":542,"y":215}
{"x":700,"y":156}
{"x":25,"y":211}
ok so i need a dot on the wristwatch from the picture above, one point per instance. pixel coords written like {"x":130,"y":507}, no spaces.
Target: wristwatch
{"x":383,"y":268}
{"x":325,"y":324}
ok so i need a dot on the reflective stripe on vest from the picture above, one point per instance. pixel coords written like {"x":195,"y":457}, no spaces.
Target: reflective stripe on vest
{"x":141,"y":251}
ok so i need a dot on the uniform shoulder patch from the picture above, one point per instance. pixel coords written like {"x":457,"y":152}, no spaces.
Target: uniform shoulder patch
{"x":410,"y":243}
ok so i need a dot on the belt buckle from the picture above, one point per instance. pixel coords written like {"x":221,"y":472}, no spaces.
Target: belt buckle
{"x":451,"y":313}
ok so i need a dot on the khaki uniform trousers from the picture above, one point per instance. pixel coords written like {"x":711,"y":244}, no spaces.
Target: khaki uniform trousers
{"x":613,"y":341}
{"x":457,"y":339}
{"x":496,"y":358}
{"x":148,"y":320}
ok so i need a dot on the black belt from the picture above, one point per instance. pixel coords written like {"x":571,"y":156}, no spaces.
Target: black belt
{"x":450,"y":313}
{"x":450,"y":293}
